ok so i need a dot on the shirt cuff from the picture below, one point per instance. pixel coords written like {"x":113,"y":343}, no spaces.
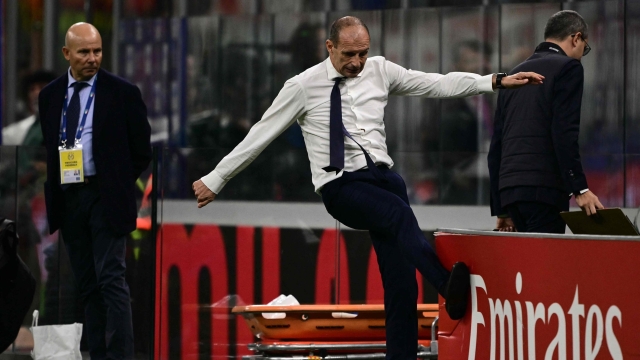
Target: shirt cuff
{"x":581,"y":192}
{"x":485,"y":84}
{"x":214,"y":182}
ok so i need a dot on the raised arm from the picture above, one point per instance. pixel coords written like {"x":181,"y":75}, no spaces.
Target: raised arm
{"x":408,"y":82}
{"x":286,"y":108}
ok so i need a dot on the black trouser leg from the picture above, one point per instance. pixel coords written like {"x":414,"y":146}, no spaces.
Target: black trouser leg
{"x":530,"y":216}
{"x":360,"y":201}
{"x":97,"y":258}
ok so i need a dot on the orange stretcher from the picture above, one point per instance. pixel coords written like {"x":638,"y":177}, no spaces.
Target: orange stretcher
{"x":330,"y":331}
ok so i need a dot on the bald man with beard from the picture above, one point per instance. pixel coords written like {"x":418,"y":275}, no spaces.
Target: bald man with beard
{"x":94,"y":112}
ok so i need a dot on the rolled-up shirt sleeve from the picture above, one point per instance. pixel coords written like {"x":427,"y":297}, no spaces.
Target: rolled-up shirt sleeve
{"x":287,"y":107}
{"x":406,"y":82}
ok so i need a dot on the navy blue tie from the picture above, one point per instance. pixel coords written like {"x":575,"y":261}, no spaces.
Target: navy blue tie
{"x":336,"y":138}
{"x":73,"y":112}
{"x":337,"y":132}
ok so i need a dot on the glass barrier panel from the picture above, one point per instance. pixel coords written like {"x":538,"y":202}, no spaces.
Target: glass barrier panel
{"x":466,"y":124}
{"x":411,"y":40}
{"x":245,"y":82}
{"x":605,"y":177}
{"x":632,"y":106}
{"x":632,"y":181}
{"x":208,"y":77}
{"x":9,"y":210}
{"x":247,"y":247}
{"x":8,"y":181}
{"x":204,"y":124}
{"x":56,"y":297}
{"x":150,"y":59}
{"x":55,"y":289}
{"x":521,"y":30}
{"x":298,"y":43}
{"x":601,"y":119}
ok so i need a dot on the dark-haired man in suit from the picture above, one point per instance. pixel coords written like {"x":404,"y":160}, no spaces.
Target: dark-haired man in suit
{"x":534,"y":159}
{"x":92,"y":115}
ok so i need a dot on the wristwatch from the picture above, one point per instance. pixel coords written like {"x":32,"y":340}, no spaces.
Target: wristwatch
{"x":499,"y":77}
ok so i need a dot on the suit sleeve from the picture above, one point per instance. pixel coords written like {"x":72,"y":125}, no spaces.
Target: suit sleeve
{"x":138,"y":132}
{"x":565,"y":126}
{"x":494,"y":157}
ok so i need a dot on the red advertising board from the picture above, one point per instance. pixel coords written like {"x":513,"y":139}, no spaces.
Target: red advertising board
{"x":544,"y":297}
{"x":203,"y":270}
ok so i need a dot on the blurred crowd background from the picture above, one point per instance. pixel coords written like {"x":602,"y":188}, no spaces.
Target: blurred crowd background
{"x":208,"y":69}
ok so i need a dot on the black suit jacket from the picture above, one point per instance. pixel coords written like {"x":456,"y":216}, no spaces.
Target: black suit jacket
{"x":534,"y":153}
{"x":121,"y":147}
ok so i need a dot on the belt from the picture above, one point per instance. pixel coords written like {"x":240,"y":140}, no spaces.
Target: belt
{"x":381,"y":167}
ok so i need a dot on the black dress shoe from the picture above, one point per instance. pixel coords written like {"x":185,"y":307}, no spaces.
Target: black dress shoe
{"x":457,"y":291}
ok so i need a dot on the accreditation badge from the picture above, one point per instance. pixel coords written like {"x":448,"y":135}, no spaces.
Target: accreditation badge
{"x":71,"y":165}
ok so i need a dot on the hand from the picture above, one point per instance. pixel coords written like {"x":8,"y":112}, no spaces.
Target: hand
{"x":505,"y":224}
{"x":203,"y":194}
{"x":589,"y":202}
{"x":521,"y":79}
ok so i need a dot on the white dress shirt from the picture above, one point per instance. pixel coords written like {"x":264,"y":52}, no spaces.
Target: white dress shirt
{"x":14,"y":134}
{"x":306,"y":98}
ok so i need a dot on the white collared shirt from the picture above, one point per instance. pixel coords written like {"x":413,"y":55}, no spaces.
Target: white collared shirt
{"x":306,"y":98}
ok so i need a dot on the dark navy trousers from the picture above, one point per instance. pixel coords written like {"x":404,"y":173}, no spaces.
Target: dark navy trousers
{"x":361,"y":201}
{"x":97,"y":257}
{"x":539,"y":217}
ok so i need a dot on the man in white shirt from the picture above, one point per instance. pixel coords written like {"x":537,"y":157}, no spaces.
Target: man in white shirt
{"x":339,"y":105}
{"x":27,"y":130}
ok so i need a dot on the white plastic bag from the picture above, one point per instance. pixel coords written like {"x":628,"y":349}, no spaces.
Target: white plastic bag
{"x":55,"y":342}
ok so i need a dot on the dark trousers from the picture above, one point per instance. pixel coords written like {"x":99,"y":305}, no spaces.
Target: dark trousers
{"x":360,"y":201}
{"x":97,"y":258}
{"x":538,"y":217}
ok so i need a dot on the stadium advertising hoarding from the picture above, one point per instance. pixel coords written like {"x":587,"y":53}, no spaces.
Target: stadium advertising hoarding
{"x":550,"y":297}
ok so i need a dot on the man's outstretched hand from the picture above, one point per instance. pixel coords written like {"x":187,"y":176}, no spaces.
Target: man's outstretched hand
{"x":521,"y":79}
{"x":589,"y":202}
{"x":203,"y":194}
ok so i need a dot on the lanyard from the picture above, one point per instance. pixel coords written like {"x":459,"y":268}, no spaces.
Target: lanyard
{"x":63,"y":137}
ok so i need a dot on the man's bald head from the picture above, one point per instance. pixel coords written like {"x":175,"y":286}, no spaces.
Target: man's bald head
{"x":79,"y":31}
{"x":83,"y":49}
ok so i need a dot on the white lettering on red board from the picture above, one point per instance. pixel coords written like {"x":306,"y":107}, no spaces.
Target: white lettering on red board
{"x":509,"y":320}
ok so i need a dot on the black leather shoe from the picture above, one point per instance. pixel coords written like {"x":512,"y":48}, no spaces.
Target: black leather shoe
{"x":457,"y":291}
